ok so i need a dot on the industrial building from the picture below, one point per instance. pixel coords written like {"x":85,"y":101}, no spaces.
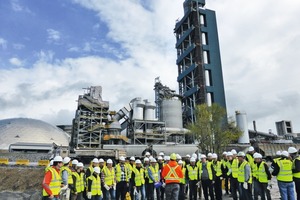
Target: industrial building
{"x":198,"y":59}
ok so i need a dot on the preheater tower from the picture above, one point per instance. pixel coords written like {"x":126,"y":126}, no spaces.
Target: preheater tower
{"x":198,"y":59}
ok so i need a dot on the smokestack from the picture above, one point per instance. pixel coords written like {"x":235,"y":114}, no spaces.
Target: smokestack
{"x":254,"y":126}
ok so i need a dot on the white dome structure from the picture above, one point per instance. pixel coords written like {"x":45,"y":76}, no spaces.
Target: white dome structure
{"x":31,"y":131}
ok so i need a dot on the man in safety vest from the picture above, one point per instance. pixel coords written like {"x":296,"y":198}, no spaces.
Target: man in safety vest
{"x":244,"y":177}
{"x":94,"y":185}
{"x":296,"y":169}
{"x":218,"y":178}
{"x":131,"y":165}
{"x":283,"y":171}
{"x":262,"y":177}
{"x":249,"y":156}
{"x":138,"y":180}
{"x":122,"y":178}
{"x":224,"y":169}
{"x":154,"y":180}
{"x":172,"y":174}
{"x":192,"y":174}
{"x":66,"y":175}
{"x":109,"y":176}
{"x":206,"y":176}
{"x":161,"y":164}
{"x":233,"y":172}
{"x":52,"y":180}
{"x":78,"y":182}
{"x":182,"y":181}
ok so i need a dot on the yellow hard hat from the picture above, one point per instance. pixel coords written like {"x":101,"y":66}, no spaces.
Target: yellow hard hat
{"x":173,"y":156}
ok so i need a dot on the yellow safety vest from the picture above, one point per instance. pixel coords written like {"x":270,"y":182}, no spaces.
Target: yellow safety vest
{"x":119,"y":172}
{"x":234,"y":168}
{"x":285,"y":172}
{"x":182,"y":180}
{"x":217,"y":168}
{"x":255,"y":171}
{"x":241,"y":173}
{"x":154,"y":171}
{"x":261,"y":174}
{"x":192,"y":172}
{"x":139,"y":176}
{"x":55,"y":183}
{"x":70,"y":180}
{"x":250,"y":160}
{"x":208,"y":167}
{"x":96,"y":185}
{"x":296,"y":175}
{"x":79,"y":182}
{"x":109,"y":178}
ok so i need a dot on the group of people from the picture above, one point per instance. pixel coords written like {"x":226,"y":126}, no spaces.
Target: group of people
{"x":174,"y":178}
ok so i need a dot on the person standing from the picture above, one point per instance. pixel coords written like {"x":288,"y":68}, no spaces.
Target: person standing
{"x":52,"y":180}
{"x":244,"y":177}
{"x":296,"y":169}
{"x":218,"y":178}
{"x":283,"y":171}
{"x":154,"y":178}
{"x":233,"y":172}
{"x":224,"y":169}
{"x":138,"y":180}
{"x":78,"y":182}
{"x":207,"y":176}
{"x":109,"y":180}
{"x":182,"y":181}
{"x":192,"y":174}
{"x":66,"y":175}
{"x":172,"y":173}
{"x":122,"y":178}
{"x":262,"y":176}
{"x":94,"y":185}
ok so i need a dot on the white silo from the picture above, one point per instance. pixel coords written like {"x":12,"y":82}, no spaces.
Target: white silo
{"x":149,"y":112}
{"x":171,"y":113}
{"x":242,"y":124}
{"x":138,"y":109}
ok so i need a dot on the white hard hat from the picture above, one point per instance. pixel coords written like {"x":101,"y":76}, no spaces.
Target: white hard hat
{"x":132,"y":158}
{"x":97,"y":170}
{"x":80,"y":164}
{"x":180,"y":162}
{"x":194,"y":155}
{"x":146,"y":159}
{"x":51,"y":162}
{"x":257,"y":155}
{"x":229,"y":153}
{"x":138,"y":161}
{"x":122,"y":158}
{"x":241,"y":154}
{"x":101,"y":160}
{"x":147,"y":154}
{"x":214,"y":155}
{"x":188,"y":155}
{"x":209,"y":155}
{"x":224,"y":153}
{"x":178,"y":157}
{"x":285,"y":154}
{"x":57,"y":159}
{"x":66,"y":160}
{"x":95,"y":160}
{"x":167,"y":158}
{"x":278,"y":153}
{"x":159,"y":158}
{"x":251,"y":148}
{"x":193,"y":159}
{"x":161,"y":154}
{"x":109,"y":161}
{"x":202,"y":156}
{"x":233,"y":151}
{"x":74,"y":162}
{"x":153,"y":160}
{"x":292,"y":150}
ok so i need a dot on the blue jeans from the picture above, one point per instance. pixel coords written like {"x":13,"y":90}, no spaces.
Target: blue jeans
{"x":110,"y":193}
{"x":286,"y":190}
{"x":96,"y":197}
{"x":143,"y":193}
{"x":172,"y":191}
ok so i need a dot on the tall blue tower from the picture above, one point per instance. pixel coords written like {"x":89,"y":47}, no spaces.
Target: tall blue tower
{"x":198,"y":59}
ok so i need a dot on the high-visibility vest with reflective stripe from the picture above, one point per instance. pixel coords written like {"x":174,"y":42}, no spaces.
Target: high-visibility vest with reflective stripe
{"x":119,"y":172}
{"x":70,"y":180}
{"x":172,"y":175}
{"x":79,"y":182}
{"x":208,"y":167}
{"x":241,"y":173}
{"x":250,"y":160}
{"x":192,"y":172}
{"x":285,"y":170}
{"x":296,"y":175}
{"x":261,"y":173}
{"x":255,"y":171}
{"x":154,"y":171}
{"x":96,"y":185}
{"x":109,"y":178}
{"x":276,"y":159}
{"x":182,"y":180}
{"x":139,"y":176}
{"x":55,"y":183}
{"x":217,"y":168}
{"x":234,"y":167}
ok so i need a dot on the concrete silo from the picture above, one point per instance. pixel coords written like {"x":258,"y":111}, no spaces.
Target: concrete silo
{"x":242,"y":124}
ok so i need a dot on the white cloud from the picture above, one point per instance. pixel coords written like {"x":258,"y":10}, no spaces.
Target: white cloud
{"x":17,"y":7}
{"x":15,"y":61}
{"x":53,"y":35}
{"x":3,"y":43}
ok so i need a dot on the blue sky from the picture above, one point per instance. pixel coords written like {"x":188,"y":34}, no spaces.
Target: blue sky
{"x":50,"y":50}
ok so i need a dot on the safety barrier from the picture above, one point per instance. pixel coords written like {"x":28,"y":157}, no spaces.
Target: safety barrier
{"x":22,"y":162}
{"x":4,"y":161}
{"x":43,"y":162}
